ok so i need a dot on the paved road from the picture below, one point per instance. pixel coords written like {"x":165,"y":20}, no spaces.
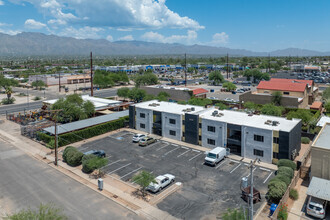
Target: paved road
{"x":26,"y":182}
{"x":38,"y":104}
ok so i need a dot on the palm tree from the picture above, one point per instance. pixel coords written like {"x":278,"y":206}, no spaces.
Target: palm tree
{"x":9,"y":91}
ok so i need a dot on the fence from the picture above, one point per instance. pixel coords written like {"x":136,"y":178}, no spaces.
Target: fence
{"x":286,"y":194}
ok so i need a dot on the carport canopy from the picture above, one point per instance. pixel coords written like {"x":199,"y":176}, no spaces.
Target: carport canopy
{"x":319,"y":188}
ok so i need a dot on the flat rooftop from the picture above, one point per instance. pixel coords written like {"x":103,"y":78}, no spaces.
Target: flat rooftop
{"x":323,"y":139}
{"x":251,"y":120}
{"x":169,"y":107}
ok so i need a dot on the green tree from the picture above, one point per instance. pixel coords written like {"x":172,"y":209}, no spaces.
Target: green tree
{"x":163,"y":96}
{"x":216,"y":77}
{"x":38,"y":83}
{"x":221,"y":106}
{"x":123,"y":92}
{"x":102,"y":79}
{"x":229,"y":86}
{"x":235,"y":214}
{"x":271,"y":109}
{"x":137,"y":94}
{"x":74,"y":108}
{"x":303,"y":114}
{"x":44,"y":212}
{"x":256,"y":75}
{"x":327,"y":106}
{"x":9,"y":91}
{"x":326,"y":94}
{"x":250,"y":105}
{"x":199,"y":101}
{"x":5,"y":82}
{"x":277,"y":98}
{"x":147,"y":78}
{"x":144,"y":178}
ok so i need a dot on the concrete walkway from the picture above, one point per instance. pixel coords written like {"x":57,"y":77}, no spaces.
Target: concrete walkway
{"x":10,"y":132}
{"x":296,"y":212}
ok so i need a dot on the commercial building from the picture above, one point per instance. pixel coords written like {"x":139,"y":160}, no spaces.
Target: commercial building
{"x":295,"y":93}
{"x":253,"y":136}
{"x":320,"y":159}
{"x":176,"y":93}
{"x":65,"y":78}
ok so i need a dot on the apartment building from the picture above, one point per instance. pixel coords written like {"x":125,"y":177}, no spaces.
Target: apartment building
{"x":247,"y":135}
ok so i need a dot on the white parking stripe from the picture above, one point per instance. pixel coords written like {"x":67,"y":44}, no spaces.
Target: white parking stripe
{"x":194,"y":157}
{"x":261,"y":168}
{"x":183,"y":153}
{"x":119,"y":168}
{"x":131,"y":172}
{"x":220,"y":164}
{"x":268,"y":177}
{"x":175,"y":145}
{"x":234,"y":161}
{"x":111,"y":163}
{"x":162,"y":147}
{"x":235,"y":168}
{"x":196,"y":150}
{"x":252,"y":172}
{"x":165,"y":142}
{"x":184,"y":147}
{"x":171,"y":151}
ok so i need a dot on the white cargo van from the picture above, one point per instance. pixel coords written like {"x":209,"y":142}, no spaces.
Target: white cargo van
{"x":215,"y":156}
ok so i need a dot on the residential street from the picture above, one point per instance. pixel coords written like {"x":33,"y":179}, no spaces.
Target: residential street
{"x":26,"y":182}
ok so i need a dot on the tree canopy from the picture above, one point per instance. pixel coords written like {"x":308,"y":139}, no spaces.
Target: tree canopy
{"x":5,"y":82}
{"x":123,"y":92}
{"x":256,"y":75}
{"x":326,"y":94}
{"x":137,"y":94}
{"x":147,"y":78}
{"x":277,"y":98}
{"x":104,"y":79}
{"x":271,"y":109}
{"x":229,"y":86}
{"x":38,"y":83}
{"x":74,"y":108}
{"x":199,"y":101}
{"x":144,"y":178}
{"x":302,"y":114}
{"x":216,"y":77}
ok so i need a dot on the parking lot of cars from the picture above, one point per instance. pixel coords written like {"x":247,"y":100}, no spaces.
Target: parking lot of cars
{"x":206,"y":190}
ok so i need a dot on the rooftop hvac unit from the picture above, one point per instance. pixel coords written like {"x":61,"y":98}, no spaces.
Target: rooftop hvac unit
{"x":219,"y":115}
{"x":214,"y":113}
{"x":192,"y":108}
{"x":268,"y":122}
{"x":275,"y":123}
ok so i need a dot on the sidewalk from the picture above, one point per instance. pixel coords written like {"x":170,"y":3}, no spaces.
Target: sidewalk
{"x":296,"y":212}
{"x":10,"y":133}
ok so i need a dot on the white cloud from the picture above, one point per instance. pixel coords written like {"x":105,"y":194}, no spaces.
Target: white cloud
{"x":81,"y":33}
{"x":5,"y":25}
{"x":126,"y":38}
{"x":190,"y":38}
{"x":1,"y":2}
{"x":33,"y":24}
{"x":115,"y":13}
{"x":219,"y":39}
{"x":10,"y":32}
{"x":109,"y":38}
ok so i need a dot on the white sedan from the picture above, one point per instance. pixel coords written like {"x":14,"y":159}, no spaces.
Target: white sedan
{"x":137,"y":137}
{"x":161,"y":182}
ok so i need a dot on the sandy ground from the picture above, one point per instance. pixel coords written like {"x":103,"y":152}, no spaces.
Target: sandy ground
{"x":19,"y":99}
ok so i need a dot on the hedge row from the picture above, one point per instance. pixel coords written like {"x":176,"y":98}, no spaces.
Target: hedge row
{"x":92,"y":162}
{"x":80,"y":135}
{"x":72,"y":156}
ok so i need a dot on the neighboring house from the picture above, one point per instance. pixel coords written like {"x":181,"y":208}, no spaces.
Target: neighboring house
{"x":317,"y":105}
{"x":320,"y":158}
{"x":176,"y":93}
{"x":295,"y":93}
{"x":252,"y":136}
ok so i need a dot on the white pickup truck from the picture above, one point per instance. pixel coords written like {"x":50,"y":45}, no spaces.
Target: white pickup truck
{"x":161,"y":182}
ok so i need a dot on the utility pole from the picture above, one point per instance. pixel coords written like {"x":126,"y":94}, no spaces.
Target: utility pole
{"x":185,"y":70}
{"x":56,"y":142}
{"x":251,"y":166}
{"x":59,"y":81}
{"x":91,"y":74}
{"x":227,"y":66}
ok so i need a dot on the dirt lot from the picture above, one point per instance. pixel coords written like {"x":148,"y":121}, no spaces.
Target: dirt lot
{"x":205,"y":191}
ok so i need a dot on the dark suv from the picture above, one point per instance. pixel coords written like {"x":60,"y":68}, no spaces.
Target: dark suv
{"x":99,"y":153}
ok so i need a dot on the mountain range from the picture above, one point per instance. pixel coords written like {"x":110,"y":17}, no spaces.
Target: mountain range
{"x":33,"y":43}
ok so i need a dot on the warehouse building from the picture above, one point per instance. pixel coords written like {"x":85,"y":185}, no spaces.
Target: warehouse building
{"x":252,"y":136}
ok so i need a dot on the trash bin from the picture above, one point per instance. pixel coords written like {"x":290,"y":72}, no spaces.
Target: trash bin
{"x":100,"y":183}
{"x":272,"y":208}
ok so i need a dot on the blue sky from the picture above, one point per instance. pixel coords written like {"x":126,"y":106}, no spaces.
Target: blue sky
{"x":258,"y":25}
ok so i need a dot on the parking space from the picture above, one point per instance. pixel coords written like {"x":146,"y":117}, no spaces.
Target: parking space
{"x":218,"y":187}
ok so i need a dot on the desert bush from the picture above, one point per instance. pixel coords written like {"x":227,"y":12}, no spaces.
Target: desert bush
{"x":276,"y":191}
{"x":287,"y":171}
{"x":305,"y":140}
{"x":73,"y":157}
{"x":287,"y":163}
{"x":65,"y":152}
{"x":92,"y":162}
{"x":293,"y":194}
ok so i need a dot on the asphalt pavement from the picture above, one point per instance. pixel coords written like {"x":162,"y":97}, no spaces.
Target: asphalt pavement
{"x":26,"y":182}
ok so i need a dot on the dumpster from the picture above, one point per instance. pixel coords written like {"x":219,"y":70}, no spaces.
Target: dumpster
{"x":246,"y":194}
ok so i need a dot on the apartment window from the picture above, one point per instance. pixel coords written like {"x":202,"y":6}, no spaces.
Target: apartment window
{"x":142,"y":125}
{"x":211,"y":128}
{"x":259,"y":153}
{"x":275,"y":140}
{"x":210,"y":141}
{"x":172,"y":121}
{"x":199,"y":137}
{"x":286,"y":93}
{"x":275,"y":155}
{"x":182,"y":134}
{"x":142,"y":115}
{"x":173,"y":133}
{"x":200,"y":125}
{"x":183,"y":122}
{"x":259,"y":138}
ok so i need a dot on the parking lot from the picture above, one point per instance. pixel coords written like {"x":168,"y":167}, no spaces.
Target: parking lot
{"x":206,"y":191}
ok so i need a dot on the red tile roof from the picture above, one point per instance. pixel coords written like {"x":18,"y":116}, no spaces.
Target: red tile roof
{"x":316,"y":105}
{"x":199,"y":91}
{"x":292,"y":85}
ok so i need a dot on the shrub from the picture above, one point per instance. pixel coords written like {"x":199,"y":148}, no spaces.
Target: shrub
{"x":286,"y":171}
{"x":305,"y":140}
{"x":92,"y":162}
{"x":7,"y":101}
{"x":283,"y":178}
{"x":283,"y":212}
{"x":65,"y":152}
{"x":276,"y":191}
{"x":287,"y":163}
{"x":293,"y":194}
{"x":74,"y":157}
{"x":36,"y":98}
{"x":273,"y":182}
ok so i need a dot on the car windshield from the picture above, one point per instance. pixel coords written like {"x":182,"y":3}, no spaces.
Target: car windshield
{"x":143,"y":139}
{"x":211,"y":155}
{"x":315,"y":207}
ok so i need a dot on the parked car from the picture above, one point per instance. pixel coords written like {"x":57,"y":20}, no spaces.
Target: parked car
{"x":161,"y":182}
{"x":146,"y":141}
{"x":316,"y":207}
{"x":213,"y":98}
{"x":137,"y":137}
{"x":228,"y":100}
{"x":215,"y":156}
{"x":99,"y":153}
